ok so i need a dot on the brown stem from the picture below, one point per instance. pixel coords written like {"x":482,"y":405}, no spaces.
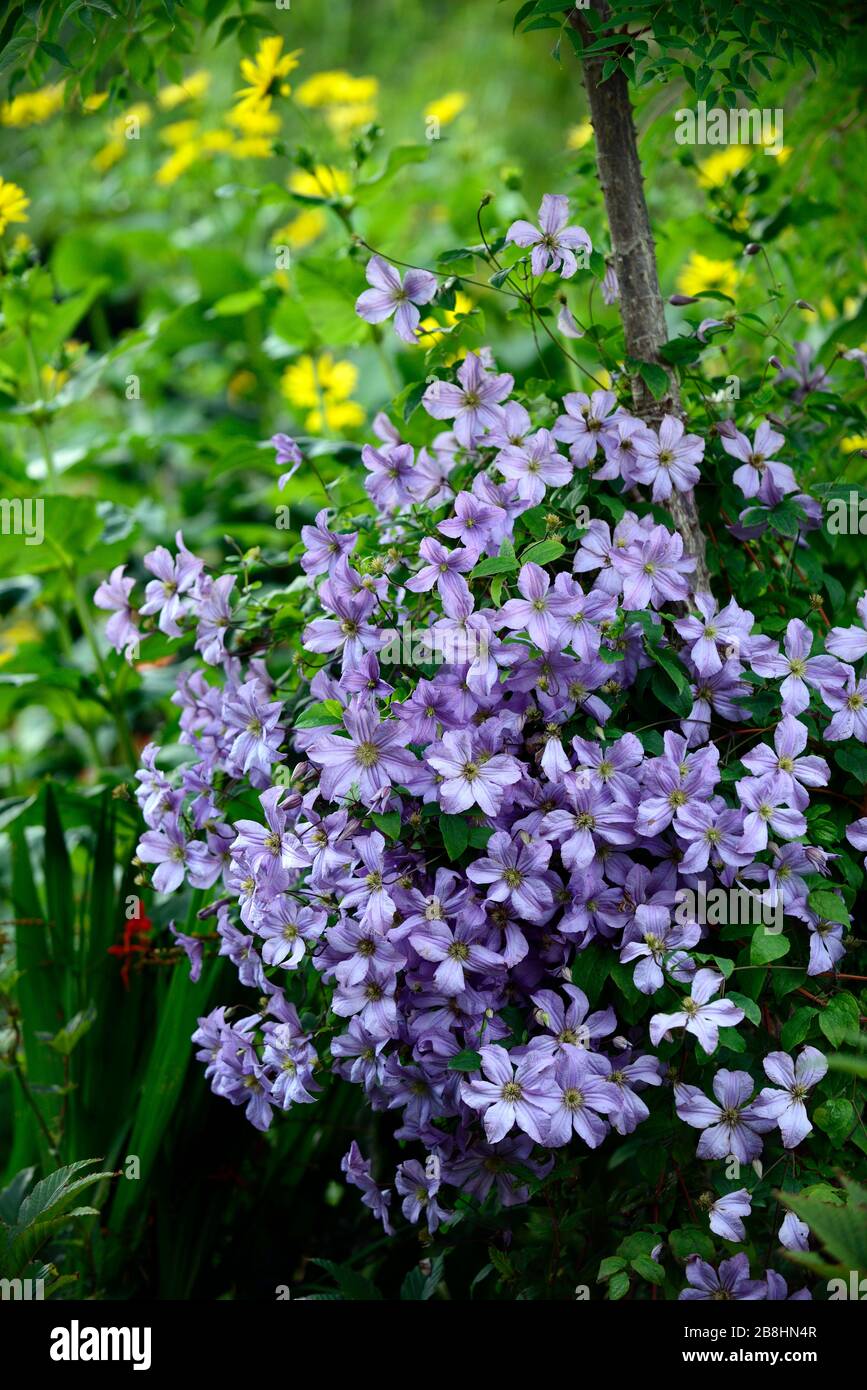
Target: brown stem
{"x":641,"y":306}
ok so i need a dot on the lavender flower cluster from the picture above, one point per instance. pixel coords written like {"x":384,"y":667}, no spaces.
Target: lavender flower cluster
{"x":454,"y":838}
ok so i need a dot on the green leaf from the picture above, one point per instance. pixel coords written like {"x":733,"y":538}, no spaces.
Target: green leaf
{"x":232,"y":305}
{"x":828,"y":906}
{"x":691,"y":1240}
{"x":655,"y":379}
{"x":398,"y":158}
{"x":618,"y":1286}
{"x":590,"y":970}
{"x":465,"y":1061}
{"x":839,"y":1021}
{"x":496,"y":564}
{"x":317,"y":716}
{"x":612,"y":1264}
{"x":835,"y":1118}
{"x":542,"y":553}
{"x":796,"y":1029}
{"x":648,"y":1269}
{"x":455,"y":831}
{"x":767,"y":946}
{"x":389,"y":824}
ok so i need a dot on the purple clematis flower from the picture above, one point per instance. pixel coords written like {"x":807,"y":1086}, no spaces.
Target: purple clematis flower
{"x":801,"y":671}
{"x":766,"y":802}
{"x":513,"y":868}
{"x":728,"y":628}
{"x":668,"y":460}
{"x":794,"y":1233}
{"x":554,"y":243}
{"x":700,"y":1014}
{"x":726,"y":1214}
{"x":444,"y":568}
{"x":215,"y":617}
{"x":389,"y":294}
{"x":660,"y":946}
{"x":757,"y":461}
{"x":784,"y":761}
{"x":653,"y":570}
{"x":731,"y":1281}
{"x":536,"y":611}
{"x":784,"y":1102}
{"x":733,"y":1126}
{"x":590,"y":421}
{"x":525,"y":1095}
{"x":850,"y":706}
{"x":121,"y":630}
{"x":848,"y":643}
{"x":323,"y":548}
{"x":856,"y":834}
{"x":419,"y":1191}
{"x":169,"y":593}
{"x":287,"y":452}
{"x":357,"y":1170}
{"x":469,"y":776}
{"x":472,"y":404}
{"x":583,"y":1097}
{"x":534,"y":464}
{"x":454,"y":951}
{"x":595,"y":816}
{"x":374,"y":755}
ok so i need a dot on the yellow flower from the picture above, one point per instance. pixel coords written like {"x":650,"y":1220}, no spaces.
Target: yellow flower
{"x":336,"y":88}
{"x":579,"y":135}
{"x":17,"y":635}
{"x":719,"y":168}
{"x":782,"y":154}
{"x":108,"y":156}
{"x":853,"y":442}
{"x":446,"y":108}
{"x":702,"y":273}
{"x":431,"y":331}
{"x":179,"y":132}
{"x":94,"y":102}
{"x":302,"y":230}
{"x":122,"y":126}
{"x":251,"y":147}
{"x":52,"y":379}
{"x":13,"y":202}
{"x":343,"y":120}
{"x":323,"y":387}
{"x":264,"y":74}
{"x":32,"y":108}
{"x":335,"y":416}
{"x":324,"y":182}
{"x":303,"y":380}
{"x":254,"y":119}
{"x":177,"y":163}
{"x":191,"y":89}
{"x":216,"y":141}
{"x":122,"y":130}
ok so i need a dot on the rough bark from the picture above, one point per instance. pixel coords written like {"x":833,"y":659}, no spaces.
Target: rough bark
{"x":641,"y":306}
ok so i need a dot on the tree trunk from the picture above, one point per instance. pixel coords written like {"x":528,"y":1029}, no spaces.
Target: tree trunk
{"x":641,"y":306}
